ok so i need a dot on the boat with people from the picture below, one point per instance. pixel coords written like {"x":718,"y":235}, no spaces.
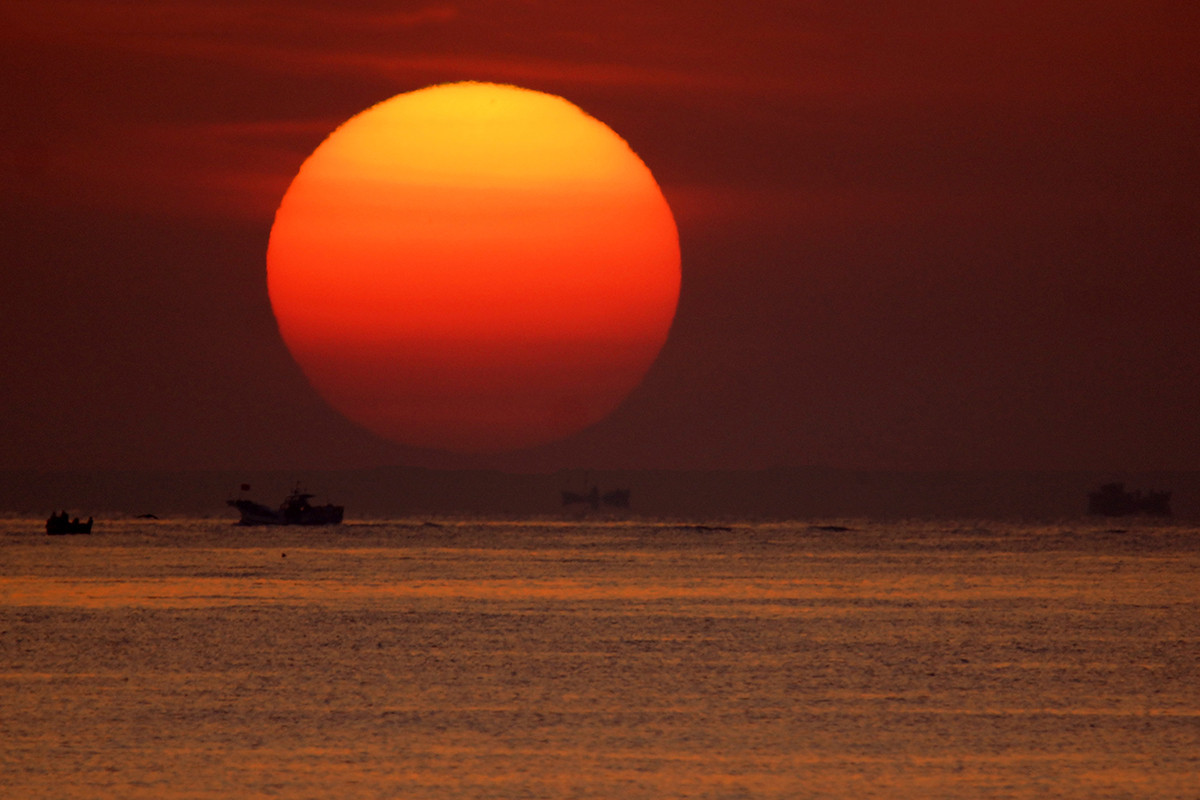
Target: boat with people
{"x":59,"y":524}
{"x":294,"y":510}
{"x":1111,"y":500}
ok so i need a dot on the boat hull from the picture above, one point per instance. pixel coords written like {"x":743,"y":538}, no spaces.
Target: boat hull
{"x":61,"y":528}
{"x":257,"y":514}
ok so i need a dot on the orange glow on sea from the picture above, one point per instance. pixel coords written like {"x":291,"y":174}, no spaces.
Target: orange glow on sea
{"x":472,"y":659}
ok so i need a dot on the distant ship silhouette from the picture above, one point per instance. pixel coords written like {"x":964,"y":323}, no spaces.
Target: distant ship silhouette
{"x":616,"y":498}
{"x":1111,"y":500}
{"x":295,"y":510}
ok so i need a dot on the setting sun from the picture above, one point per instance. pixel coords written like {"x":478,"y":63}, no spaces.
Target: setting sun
{"x":474,"y":267}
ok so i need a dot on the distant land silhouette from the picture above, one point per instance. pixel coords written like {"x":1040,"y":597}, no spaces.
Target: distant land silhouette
{"x":784,"y":493}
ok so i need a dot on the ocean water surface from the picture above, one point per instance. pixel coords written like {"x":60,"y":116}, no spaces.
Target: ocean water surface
{"x":191,"y":658}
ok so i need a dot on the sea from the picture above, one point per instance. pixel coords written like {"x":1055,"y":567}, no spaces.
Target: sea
{"x":601,"y":658}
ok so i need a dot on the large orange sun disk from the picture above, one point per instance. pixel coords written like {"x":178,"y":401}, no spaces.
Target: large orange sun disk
{"x":474,"y":267}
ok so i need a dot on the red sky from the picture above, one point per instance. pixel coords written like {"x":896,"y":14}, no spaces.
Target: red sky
{"x":919,"y":235}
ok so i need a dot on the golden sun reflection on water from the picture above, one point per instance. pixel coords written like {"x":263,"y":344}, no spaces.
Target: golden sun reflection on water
{"x":765,"y":595}
{"x":511,"y":660}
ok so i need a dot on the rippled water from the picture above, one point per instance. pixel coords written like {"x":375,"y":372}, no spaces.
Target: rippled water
{"x":195,"y":659}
